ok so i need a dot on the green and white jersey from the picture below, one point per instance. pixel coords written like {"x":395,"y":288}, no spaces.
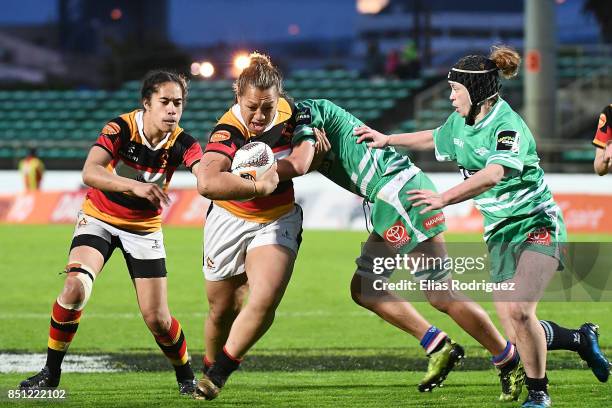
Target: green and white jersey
{"x":503,"y":138}
{"x":352,"y":166}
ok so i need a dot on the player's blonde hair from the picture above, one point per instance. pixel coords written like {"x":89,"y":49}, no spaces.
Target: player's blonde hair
{"x":260,"y":73}
{"x":506,"y":59}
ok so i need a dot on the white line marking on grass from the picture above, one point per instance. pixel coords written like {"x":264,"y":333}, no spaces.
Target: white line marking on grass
{"x":25,"y":363}
{"x":87,"y":316}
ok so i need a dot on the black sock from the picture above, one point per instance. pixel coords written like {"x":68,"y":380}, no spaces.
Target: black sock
{"x":184,"y":372}
{"x":537,"y":384}
{"x":560,"y":338}
{"x":222,"y":368}
{"x":510,"y":365}
{"x":54,"y":361}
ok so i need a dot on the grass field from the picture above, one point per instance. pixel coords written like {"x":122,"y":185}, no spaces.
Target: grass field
{"x":322,"y":350}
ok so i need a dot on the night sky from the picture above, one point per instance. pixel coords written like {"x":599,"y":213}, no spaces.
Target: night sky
{"x":204,"y":22}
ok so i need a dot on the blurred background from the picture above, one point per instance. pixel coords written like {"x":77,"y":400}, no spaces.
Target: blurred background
{"x":68,"y":66}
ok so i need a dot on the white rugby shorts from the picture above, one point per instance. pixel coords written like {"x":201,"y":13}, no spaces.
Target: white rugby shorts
{"x":227,"y":239}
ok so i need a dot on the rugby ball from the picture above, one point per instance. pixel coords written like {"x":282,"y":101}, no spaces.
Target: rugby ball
{"x":252,"y":160}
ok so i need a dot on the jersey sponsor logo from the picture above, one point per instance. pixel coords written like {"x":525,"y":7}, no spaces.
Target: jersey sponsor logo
{"x":303,"y":117}
{"x":508,"y":140}
{"x":220,"y":136}
{"x":540,"y":236}
{"x":111,"y":128}
{"x":433,"y":221}
{"x":131,"y":152}
{"x":481,"y":151}
{"x":457,"y":142}
{"x":466,"y":173}
{"x":602,"y":122}
{"x":396,"y":235}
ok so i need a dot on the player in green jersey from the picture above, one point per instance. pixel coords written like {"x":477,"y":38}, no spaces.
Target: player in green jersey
{"x":382,"y":177}
{"x":524,"y":227}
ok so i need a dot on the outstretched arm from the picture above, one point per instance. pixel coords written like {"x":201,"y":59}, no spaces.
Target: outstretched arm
{"x":305,"y":157}
{"x":422,"y":140}
{"x":480,"y":182}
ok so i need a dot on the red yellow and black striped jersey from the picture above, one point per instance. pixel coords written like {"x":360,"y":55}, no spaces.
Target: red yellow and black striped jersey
{"x":133,"y":157}
{"x":231,"y":133}
{"x":603,"y":134}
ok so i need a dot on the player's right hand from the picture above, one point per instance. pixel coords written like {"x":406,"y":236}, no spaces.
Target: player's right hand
{"x":151,"y":192}
{"x":268,"y":182}
{"x":377,"y":139}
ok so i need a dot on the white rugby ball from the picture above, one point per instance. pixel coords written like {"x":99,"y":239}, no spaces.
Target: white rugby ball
{"x":252,"y":160}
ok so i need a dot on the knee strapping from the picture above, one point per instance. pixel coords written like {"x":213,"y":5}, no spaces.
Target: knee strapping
{"x":86,"y":276}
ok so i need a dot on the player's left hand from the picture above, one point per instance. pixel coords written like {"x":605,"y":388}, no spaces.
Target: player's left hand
{"x":430,"y":199}
{"x":373,"y":138}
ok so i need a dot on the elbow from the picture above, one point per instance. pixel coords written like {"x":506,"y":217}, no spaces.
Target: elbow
{"x":599,"y":169}
{"x":204,"y":189}
{"x":86,"y":177}
{"x":496,"y":176}
{"x":300,"y":168}
{"x":207,"y":189}
{"x":297,"y":167}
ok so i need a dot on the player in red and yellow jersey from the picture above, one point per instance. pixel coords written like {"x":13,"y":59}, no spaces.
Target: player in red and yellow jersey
{"x":256,"y":239}
{"x":128,"y":171}
{"x":32,"y":170}
{"x":603,"y":142}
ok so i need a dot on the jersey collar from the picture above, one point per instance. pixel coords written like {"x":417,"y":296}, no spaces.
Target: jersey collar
{"x":140,"y":126}
{"x":489,"y":116}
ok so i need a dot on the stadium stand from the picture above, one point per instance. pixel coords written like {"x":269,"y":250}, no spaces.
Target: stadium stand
{"x":63,"y":123}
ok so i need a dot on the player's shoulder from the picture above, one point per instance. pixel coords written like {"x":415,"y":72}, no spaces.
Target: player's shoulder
{"x":506,"y":119}
{"x":228,"y":127}
{"x":285,"y":109}
{"x":185,"y":139}
{"x":117,"y":125}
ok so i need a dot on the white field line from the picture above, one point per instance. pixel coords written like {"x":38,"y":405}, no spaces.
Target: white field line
{"x":310,"y":313}
{"x":32,"y":363}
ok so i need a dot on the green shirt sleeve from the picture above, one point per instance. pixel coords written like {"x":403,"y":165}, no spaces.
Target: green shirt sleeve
{"x":308,"y":117}
{"x":443,"y":140}
{"x":509,"y":148}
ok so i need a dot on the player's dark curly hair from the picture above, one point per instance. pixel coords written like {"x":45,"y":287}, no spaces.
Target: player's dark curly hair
{"x":480,"y":75}
{"x":260,"y":73}
{"x":153,"y":79}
